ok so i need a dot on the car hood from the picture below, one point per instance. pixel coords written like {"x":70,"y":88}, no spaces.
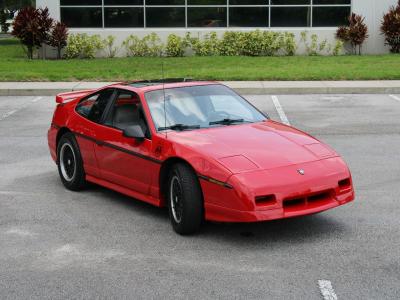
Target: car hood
{"x":247,"y":147}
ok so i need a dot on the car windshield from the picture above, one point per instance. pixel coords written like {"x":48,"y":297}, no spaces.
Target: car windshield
{"x":194,"y":107}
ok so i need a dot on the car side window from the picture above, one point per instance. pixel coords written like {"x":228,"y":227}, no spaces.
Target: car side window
{"x":94,"y":106}
{"x":84,"y":107}
{"x":127,"y":111}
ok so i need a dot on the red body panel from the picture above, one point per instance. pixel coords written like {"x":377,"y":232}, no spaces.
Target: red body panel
{"x":248,"y":172}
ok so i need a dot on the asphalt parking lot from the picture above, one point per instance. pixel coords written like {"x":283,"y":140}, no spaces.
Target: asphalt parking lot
{"x":99,"y":244}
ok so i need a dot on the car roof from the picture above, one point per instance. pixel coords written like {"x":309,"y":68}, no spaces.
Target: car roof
{"x":159,"y":84}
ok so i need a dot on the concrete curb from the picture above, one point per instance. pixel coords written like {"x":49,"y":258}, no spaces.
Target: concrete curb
{"x":243,"y":87}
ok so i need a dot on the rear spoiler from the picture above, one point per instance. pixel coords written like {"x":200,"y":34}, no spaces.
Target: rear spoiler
{"x":66,"y":97}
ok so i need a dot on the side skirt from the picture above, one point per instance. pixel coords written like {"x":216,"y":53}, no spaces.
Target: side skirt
{"x":123,"y":190}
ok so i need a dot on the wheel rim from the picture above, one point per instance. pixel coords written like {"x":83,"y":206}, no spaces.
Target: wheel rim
{"x":67,"y":162}
{"x":176,"y":199}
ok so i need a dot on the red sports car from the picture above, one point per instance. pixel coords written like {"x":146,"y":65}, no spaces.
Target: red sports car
{"x":196,"y":147}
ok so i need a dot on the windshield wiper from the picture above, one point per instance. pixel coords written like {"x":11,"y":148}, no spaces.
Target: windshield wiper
{"x":179,"y":127}
{"x":228,"y":121}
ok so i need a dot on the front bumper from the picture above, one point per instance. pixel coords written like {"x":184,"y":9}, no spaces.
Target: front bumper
{"x":325,"y":185}
{"x":224,"y":214}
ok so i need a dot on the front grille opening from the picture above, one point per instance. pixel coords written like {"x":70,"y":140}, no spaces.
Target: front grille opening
{"x":266,"y":200}
{"x":319,"y":197}
{"x":308,"y":201}
{"x":345,"y":184}
{"x":292,"y":203}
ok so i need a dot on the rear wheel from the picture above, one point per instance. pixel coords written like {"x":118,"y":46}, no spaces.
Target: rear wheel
{"x":70,"y":164}
{"x":185,"y":200}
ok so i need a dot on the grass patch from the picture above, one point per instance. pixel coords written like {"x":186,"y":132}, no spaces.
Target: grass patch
{"x":15,"y":67}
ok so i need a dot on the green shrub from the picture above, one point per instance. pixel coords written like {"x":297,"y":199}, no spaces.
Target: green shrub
{"x":4,"y":26}
{"x":176,"y":46}
{"x":154,"y":45}
{"x":109,"y":42}
{"x":272,"y":42}
{"x":231,"y":43}
{"x":82,"y":45}
{"x":150,"y":45}
{"x":208,"y":46}
{"x":252,"y":43}
{"x":311,"y":48}
{"x":314,"y":47}
{"x":338,"y":48}
{"x":256,"y":43}
{"x":74,"y":46}
{"x":92,"y":44}
{"x":134,"y":46}
{"x":289,"y":44}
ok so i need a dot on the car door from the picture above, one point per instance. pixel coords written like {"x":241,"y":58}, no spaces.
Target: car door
{"x":125,"y":161}
{"x":90,"y":111}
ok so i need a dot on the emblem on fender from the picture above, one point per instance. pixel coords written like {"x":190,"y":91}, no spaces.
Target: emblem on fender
{"x":301,"y":171}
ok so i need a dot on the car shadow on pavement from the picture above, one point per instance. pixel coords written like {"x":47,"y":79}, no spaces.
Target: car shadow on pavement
{"x":130,"y":203}
{"x":294,"y":230}
{"x":300,"y":230}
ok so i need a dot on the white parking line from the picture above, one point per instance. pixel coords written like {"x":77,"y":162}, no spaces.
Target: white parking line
{"x":36,"y":99}
{"x":6,"y":115}
{"x":395,"y":97}
{"x":10,"y":113}
{"x":280,"y":110}
{"x":327,"y":290}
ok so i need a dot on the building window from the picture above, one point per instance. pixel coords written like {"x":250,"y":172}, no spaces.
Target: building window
{"x":165,"y":17}
{"x":248,"y":16}
{"x":204,"y":13}
{"x":291,"y":16}
{"x":119,"y":17}
{"x":84,"y":17}
{"x":330,"y":16}
{"x":207,"y":17}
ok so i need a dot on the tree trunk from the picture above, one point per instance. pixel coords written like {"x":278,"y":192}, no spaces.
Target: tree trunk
{"x":30,"y":52}
{"x":43,"y":51}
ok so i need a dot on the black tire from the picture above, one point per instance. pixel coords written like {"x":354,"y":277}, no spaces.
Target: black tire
{"x":186,"y":213}
{"x":70,"y":164}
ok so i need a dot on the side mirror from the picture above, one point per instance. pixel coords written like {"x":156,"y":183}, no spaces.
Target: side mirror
{"x":134,"y":131}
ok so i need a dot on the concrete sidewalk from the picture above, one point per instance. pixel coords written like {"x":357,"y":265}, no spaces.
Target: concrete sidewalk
{"x":243,"y":87}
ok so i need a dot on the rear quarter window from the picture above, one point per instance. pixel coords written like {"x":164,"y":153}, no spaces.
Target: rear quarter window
{"x":85,"y":106}
{"x":94,"y":106}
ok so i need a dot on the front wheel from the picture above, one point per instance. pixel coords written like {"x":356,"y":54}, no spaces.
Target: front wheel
{"x":70,"y":164}
{"x":185,"y":200}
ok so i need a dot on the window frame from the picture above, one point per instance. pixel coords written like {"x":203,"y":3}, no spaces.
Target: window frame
{"x":268,"y":4}
{"x":110,"y":110}
{"x":105,"y":110}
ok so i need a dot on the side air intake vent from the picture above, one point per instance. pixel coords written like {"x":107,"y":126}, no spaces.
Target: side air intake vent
{"x":344,"y":185}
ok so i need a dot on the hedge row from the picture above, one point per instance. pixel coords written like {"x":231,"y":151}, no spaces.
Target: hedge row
{"x":231,"y":43}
